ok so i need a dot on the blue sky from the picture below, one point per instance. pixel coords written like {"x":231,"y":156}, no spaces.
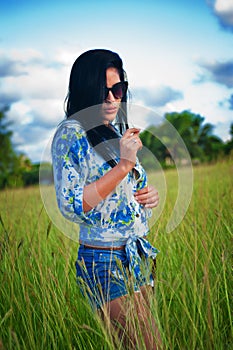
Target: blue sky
{"x":178,"y":55}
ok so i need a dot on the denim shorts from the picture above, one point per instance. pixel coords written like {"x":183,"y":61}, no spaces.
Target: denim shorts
{"x":103,"y":275}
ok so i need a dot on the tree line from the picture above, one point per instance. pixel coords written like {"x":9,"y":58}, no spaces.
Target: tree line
{"x":17,"y":170}
{"x":202,"y":145}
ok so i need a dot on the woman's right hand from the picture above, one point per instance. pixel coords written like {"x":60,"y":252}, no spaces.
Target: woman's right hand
{"x":130,"y":143}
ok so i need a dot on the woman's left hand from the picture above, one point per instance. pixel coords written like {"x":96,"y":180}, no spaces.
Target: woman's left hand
{"x":147,"y":196}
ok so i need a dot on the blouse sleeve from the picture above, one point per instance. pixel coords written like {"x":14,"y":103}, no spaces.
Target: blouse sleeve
{"x":70,"y":154}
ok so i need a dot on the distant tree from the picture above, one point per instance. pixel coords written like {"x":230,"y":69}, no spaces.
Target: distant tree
{"x":13,"y":166}
{"x":152,"y":142}
{"x":191,"y":129}
{"x":228,"y":147}
{"x":197,"y":136}
{"x":30,"y":173}
{"x":16,"y":169}
{"x":8,"y":157}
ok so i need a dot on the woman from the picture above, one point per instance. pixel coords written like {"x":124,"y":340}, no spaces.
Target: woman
{"x":101,"y":186}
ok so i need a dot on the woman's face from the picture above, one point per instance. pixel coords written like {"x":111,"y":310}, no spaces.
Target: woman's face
{"x":111,"y":104}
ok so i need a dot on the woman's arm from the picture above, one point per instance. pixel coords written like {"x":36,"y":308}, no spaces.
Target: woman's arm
{"x":95,"y":192}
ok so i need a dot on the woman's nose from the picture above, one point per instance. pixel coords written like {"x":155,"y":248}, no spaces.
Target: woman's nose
{"x":110,"y":97}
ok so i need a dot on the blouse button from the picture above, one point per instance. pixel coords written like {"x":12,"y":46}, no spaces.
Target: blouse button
{"x":137,"y":215}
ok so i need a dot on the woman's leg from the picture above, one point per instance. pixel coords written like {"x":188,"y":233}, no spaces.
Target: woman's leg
{"x":147,"y":293}
{"x":132,"y":322}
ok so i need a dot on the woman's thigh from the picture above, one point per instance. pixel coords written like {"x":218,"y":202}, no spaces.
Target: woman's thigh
{"x":128,"y":306}
{"x":131,"y":318}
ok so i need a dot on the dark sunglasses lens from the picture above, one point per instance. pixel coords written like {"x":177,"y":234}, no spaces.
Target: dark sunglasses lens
{"x":117,"y":90}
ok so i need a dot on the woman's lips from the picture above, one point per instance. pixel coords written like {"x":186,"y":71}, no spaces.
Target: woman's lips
{"x":110,"y":110}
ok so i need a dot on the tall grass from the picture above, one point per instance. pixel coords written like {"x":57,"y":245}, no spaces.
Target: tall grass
{"x":41,"y":306}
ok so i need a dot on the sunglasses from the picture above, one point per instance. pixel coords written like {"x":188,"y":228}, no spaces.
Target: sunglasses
{"x":118,"y":90}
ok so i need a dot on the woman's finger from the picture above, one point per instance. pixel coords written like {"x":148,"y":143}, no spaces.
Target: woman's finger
{"x":131,"y":132}
{"x":152,"y":205}
{"x":145,"y":192}
{"x":142,"y":191}
{"x":146,"y":196}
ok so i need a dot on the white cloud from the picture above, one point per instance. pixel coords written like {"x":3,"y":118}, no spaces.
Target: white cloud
{"x":7,"y":99}
{"x":14,"y":63}
{"x":220,"y":72}
{"x":30,"y":74}
{"x":19,"y":114}
{"x":43,"y":113}
{"x":47,"y":113}
{"x":156,"y":96}
{"x":35,"y":98}
{"x":40,"y":82}
{"x":223,"y":9}
{"x":24,"y":55}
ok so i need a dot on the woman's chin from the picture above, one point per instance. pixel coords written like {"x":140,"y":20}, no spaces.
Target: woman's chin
{"x":109,"y":117}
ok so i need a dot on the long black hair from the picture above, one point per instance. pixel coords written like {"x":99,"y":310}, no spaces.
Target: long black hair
{"x":86,"y":89}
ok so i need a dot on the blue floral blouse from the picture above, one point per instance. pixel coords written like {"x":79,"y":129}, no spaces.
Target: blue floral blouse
{"x":77,"y":164}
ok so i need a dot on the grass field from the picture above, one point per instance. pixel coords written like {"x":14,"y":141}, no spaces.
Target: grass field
{"x":40,"y":304}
